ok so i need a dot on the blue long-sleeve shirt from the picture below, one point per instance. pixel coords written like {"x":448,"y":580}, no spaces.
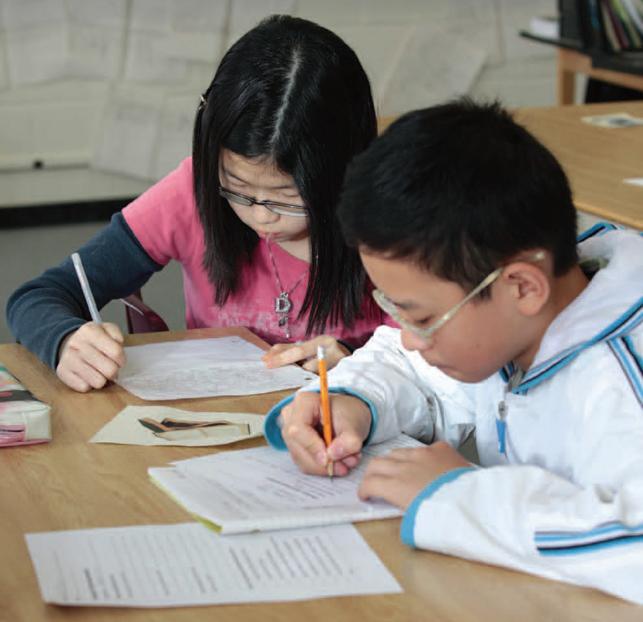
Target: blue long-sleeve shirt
{"x":43,"y":311}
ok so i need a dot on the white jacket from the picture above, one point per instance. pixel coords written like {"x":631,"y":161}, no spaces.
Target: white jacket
{"x":562,"y":492}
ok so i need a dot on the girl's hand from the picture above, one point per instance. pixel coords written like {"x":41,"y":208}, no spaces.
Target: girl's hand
{"x":306,"y":351}
{"x":91,"y":356}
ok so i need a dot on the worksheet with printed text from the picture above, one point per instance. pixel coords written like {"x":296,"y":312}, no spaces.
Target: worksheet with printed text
{"x":188,"y":564}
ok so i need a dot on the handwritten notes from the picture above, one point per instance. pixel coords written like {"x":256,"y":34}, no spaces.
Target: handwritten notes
{"x":203,"y":368}
{"x":260,"y":489}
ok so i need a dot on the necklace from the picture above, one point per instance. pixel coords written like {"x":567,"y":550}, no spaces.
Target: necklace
{"x":283,"y":304}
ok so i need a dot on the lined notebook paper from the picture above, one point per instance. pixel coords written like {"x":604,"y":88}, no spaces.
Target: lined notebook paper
{"x":262,"y":489}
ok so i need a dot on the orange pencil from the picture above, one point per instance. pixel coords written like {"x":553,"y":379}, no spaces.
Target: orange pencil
{"x":327,"y":425}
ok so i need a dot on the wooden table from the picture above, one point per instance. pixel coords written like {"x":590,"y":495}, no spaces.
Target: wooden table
{"x":72,"y":484}
{"x":596,"y":159}
{"x":570,"y":62}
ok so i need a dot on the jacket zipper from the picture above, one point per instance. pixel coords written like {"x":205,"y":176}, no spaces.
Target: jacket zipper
{"x":501,"y":426}
{"x":503,"y":410}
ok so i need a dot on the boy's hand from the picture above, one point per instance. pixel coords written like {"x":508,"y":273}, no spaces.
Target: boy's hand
{"x":401,"y":475}
{"x":306,"y":351}
{"x":91,"y":356}
{"x":301,"y":420}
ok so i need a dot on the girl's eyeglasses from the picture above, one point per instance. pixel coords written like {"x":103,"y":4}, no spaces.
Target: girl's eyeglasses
{"x":284,"y":209}
{"x":426,"y":333}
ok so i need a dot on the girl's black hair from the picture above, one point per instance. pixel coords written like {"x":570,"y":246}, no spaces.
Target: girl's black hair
{"x":459,"y":188}
{"x":293,"y":92}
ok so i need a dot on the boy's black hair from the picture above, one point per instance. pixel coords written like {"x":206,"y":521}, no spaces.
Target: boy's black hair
{"x":295,"y":93}
{"x":459,"y":189}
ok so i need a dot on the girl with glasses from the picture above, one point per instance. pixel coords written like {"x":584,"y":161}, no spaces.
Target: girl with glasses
{"x":250,"y":216}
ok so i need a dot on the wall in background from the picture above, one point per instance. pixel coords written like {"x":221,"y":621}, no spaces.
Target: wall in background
{"x":72,"y":70}
{"x":115,"y":83}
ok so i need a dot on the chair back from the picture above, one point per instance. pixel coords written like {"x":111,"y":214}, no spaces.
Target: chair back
{"x":140,"y":317}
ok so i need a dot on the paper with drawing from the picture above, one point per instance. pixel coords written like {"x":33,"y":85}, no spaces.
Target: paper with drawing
{"x":162,"y":425}
{"x":203,"y":368}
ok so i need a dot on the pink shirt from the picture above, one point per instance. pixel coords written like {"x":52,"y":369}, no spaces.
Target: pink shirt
{"x":166,"y":223}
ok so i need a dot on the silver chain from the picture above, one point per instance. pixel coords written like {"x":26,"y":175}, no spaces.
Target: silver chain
{"x":283,"y":304}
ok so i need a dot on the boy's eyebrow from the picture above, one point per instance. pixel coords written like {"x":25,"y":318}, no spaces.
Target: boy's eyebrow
{"x":228,"y":173}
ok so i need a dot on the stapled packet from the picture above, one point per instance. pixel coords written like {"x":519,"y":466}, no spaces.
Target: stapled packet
{"x":24,"y":420}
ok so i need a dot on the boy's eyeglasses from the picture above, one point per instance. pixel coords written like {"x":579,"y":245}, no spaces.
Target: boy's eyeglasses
{"x":284,"y":209}
{"x":426,"y":333}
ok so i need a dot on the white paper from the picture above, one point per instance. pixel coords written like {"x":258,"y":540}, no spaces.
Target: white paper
{"x":96,"y":38}
{"x":26,"y":14}
{"x":246,"y":14}
{"x":126,"y":429}
{"x":36,"y":39}
{"x":149,"y":58}
{"x":613,"y":120}
{"x":4,"y":75}
{"x":476,"y":23}
{"x":94,"y":52}
{"x":187,"y":564}
{"x":130,"y":130}
{"x":198,"y":30}
{"x":175,"y":137}
{"x":151,"y":15}
{"x":198,"y":15}
{"x":634,"y":181}
{"x":164,"y":34}
{"x":103,"y":13}
{"x":196,"y":46}
{"x":36,"y":54}
{"x":204,"y":368}
{"x":262,"y":489}
{"x":432,"y":68}
{"x":379,"y":48}
{"x":547,"y":26}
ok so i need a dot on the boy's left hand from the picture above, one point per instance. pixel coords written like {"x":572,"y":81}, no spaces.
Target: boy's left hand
{"x":401,"y":475}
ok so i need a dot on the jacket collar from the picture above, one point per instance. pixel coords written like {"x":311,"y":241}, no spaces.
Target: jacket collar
{"x":609,"y":307}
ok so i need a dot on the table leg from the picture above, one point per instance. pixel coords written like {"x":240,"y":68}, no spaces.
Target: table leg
{"x":566,"y":80}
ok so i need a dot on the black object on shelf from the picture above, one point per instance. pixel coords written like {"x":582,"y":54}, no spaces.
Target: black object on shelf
{"x":626,"y":62}
{"x":560,"y":42}
{"x":569,"y":25}
{"x":61,"y":213}
{"x":597,"y":91}
{"x":583,"y":28}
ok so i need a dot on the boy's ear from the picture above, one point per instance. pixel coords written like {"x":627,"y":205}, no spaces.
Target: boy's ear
{"x":528,"y":285}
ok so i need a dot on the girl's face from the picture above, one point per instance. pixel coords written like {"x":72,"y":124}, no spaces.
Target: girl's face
{"x":260,"y":179}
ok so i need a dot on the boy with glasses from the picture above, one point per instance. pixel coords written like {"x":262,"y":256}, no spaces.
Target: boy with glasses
{"x":509,"y":329}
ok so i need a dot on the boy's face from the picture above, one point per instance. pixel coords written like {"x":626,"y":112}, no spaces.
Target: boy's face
{"x":471,"y":346}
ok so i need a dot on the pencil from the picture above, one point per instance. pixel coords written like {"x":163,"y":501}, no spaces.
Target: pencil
{"x":327,"y":425}
{"x":87,"y":292}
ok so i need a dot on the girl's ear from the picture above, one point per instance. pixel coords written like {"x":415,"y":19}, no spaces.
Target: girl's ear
{"x":528,"y":285}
